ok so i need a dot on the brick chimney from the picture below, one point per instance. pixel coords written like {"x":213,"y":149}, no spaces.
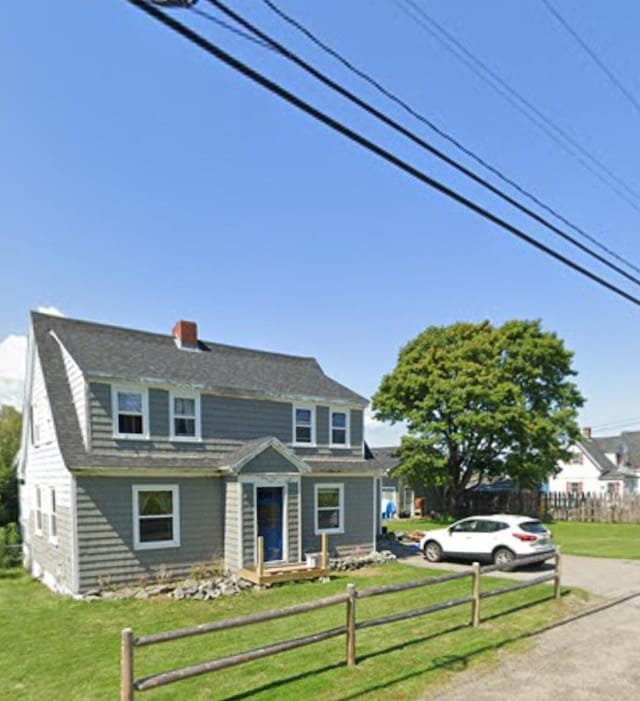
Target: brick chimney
{"x":586,"y":432}
{"x":186,"y":334}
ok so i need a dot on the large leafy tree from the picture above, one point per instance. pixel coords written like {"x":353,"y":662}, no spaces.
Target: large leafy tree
{"x":10,"y":429}
{"x":481,"y":402}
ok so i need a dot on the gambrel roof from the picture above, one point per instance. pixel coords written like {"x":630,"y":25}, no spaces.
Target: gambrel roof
{"x":126,"y":354}
{"x":108,"y":353}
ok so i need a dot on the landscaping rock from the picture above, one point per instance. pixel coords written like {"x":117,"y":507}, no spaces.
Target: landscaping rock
{"x":353,"y":562}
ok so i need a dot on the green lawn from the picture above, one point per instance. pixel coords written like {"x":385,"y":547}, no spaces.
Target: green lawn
{"x":621,"y":540}
{"x":57,"y":648}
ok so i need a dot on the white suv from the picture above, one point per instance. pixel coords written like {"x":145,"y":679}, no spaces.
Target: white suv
{"x":500,"y":538}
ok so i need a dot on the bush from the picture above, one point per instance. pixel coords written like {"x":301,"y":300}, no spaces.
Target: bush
{"x":10,"y":546}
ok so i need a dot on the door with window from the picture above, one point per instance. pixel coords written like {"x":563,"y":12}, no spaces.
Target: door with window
{"x":270,"y":502}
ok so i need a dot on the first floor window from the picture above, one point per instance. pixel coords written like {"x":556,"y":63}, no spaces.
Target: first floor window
{"x":156,"y":516}
{"x":38,"y":510}
{"x":339,"y":426}
{"x":130,"y":411}
{"x":303,"y":428}
{"x":53,"y":517}
{"x":329,"y":508}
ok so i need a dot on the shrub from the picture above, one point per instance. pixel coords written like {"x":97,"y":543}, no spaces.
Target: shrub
{"x":10,"y":550}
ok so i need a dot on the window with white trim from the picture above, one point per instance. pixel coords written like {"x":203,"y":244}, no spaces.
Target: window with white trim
{"x":303,"y":425}
{"x":53,"y":516}
{"x":185,"y":416}
{"x":38,"y":514}
{"x":339,"y":428}
{"x":156,"y":516}
{"x":329,"y":508}
{"x":130,"y":412}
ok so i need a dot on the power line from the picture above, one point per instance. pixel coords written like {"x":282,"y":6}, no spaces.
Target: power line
{"x":227,"y":26}
{"x":559,"y":135}
{"x":374,"y":148}
{"x":272,"y":43}
{"x":618,"y":424}
{"x":592,"y":54}
{"x":438,"y":130}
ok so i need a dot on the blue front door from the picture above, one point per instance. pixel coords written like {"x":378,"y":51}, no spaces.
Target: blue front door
{"x":269,"y":500}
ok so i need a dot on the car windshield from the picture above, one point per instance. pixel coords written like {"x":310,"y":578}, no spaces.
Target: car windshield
{"x":532,"y":527}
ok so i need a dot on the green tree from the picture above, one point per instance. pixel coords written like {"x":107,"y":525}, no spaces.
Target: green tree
{"x":10,"y":431}
{"x":481,"y":402}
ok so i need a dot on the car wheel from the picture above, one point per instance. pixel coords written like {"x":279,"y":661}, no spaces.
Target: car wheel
{"x":503,"y":556}
{"x":432,"y":551}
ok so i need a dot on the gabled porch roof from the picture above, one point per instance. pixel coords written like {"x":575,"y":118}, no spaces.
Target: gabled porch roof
{"x":236,"y":461}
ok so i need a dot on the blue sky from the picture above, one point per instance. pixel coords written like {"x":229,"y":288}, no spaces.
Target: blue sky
{"x":142,"y":182}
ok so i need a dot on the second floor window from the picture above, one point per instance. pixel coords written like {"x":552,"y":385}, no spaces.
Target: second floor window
{"x":185,"y":421}
{"x":303,"y":425}
{"x":339,"y":428}
{"x":130,"y":412}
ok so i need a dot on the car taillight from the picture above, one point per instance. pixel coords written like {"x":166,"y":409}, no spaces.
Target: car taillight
{"x":525,"y":538}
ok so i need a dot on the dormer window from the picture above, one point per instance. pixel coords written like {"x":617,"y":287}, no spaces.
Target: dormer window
{"x":131,"y":414}
{"x":339,"y":428}
{"x":303,"y":425}
{"x":185,"y":416}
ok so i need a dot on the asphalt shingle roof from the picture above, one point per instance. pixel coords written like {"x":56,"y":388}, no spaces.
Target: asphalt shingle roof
{"x":126,"y":354}
{"x":122,"y":354}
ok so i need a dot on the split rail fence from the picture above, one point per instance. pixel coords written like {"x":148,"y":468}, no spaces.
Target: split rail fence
{"x":129,"y":643}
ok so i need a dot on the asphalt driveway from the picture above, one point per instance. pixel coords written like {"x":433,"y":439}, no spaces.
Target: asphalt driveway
{"x":594,"y":655}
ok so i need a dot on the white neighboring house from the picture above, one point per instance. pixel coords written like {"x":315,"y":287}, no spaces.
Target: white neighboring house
{"x":600,"y":466}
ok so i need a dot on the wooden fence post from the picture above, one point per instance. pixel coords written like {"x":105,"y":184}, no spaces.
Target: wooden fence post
{"x":325,"y":552}
{"x":351,"y":625}
{"x":556,"y":579}
{"x":475,"y":610}
{"x":260,"y":557}
{"x":126,"y":665}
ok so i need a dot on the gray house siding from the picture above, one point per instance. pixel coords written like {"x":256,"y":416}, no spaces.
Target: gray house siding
{"x":245,"y":419}
{"x":54,"y":558}
{"x":358,"y":515}
{"x":159,"y":413}
{"x":269,"y":461}
{"x":357,"y":427}
{"x":105,"y":530}
{"x":322,"y":425}
{"x":248,"y":525}
{"x":224,"y":420}
{"x":293,"y":521}
{"x":100,"y":419}
{"x":232,"y":555}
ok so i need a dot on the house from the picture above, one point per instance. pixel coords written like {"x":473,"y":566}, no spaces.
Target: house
{"x":398,"y":496}
{"x":146,"y":453}
{"x":600,"y":466}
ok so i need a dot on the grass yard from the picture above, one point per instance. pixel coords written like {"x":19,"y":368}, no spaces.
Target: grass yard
{"x":620,"y":540}
{"x":57,"y":648}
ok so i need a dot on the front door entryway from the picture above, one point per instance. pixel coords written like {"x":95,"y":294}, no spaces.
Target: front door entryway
{"x":270,"y":503}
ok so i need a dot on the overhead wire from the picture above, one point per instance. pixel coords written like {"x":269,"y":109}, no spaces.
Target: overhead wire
{"x":280,"y":48}
{"x":618,"y":424}
{"x":559,"y":135}
{"x":227,"y":26}
{"x":592,"y":55}
{"x":337,"y":126}
{"x":441,"y":132}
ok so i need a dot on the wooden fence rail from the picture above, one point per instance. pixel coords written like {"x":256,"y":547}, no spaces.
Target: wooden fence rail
{"x":129,"y":685}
